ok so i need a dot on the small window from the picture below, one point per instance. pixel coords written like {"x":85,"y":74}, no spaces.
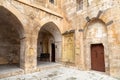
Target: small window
{"x":51,"y":1}
{"x":79,"y":4}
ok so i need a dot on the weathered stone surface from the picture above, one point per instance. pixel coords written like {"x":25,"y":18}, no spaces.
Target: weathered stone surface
{"x":21,"y":22}
{"x":91,"y":8}
{"x":62,"y":73}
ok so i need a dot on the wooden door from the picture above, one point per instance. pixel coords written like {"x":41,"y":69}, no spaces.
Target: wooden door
{"x":53,"y":52}
{"x":97,"y":57}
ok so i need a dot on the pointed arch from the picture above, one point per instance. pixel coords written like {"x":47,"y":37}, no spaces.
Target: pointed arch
{"x":50,"y":30}
{"x":95,"y":33}
{"x":14,"y":28}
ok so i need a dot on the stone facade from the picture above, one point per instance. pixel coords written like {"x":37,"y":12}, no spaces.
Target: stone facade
{"x":72,"y":28}
{"x":96,"y":22}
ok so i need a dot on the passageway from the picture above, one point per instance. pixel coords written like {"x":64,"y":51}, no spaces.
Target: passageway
{"x":10,"y":33}
{"x":49,"y":44}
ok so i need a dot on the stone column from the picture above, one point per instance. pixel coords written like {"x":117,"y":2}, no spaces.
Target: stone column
{"x":82,"y":54}
{"x":22,"y":52}
{"x":79,"y":50}
{"x":28,"y":59}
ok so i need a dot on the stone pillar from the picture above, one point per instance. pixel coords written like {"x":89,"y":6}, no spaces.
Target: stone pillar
{"x":82,"y":54}
{"x":28,"y":59}
{"x":58,"y":51}
{"x":22,"y":53}
{"x":79,"y":51}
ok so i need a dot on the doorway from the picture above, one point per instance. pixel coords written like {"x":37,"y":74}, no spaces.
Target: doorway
{"x":97,"y":57}
{"x":53,"y":52}
{"x":49,"y":44}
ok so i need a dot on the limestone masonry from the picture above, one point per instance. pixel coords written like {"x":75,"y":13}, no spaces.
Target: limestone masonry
{"x":84,"y":34}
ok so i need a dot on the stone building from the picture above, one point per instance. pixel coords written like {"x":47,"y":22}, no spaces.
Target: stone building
{"x":79,"y":33}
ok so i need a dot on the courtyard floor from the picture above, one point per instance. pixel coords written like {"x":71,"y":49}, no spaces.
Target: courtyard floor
{"x":62,"y":73}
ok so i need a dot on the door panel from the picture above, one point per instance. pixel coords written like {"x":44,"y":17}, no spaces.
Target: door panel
{"x":53,"y":52}
{"x":97,"y":57}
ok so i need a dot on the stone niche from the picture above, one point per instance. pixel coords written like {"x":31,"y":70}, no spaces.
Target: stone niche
{"x":69,"y":51}
{"x":95,"y":33}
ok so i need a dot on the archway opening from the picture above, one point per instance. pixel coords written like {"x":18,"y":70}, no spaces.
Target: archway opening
{"x":11,"y":30}
{"x":49,"y":44}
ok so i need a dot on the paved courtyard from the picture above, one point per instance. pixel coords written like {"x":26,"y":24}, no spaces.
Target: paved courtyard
{"x":62,"y":73}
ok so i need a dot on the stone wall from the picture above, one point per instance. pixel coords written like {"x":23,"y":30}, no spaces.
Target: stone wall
{"x":9,"y":45}
{"x":79,"y":19}
{"x":31,"y":15}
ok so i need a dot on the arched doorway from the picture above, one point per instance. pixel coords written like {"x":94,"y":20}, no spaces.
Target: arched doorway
{"x":11,"y":32}
{"x":49,"y":44}
{"x":95,"y":47}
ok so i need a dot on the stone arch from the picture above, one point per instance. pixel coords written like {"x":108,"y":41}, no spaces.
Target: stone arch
{"x":54,"y":35}
{"x":19,"y":17}
{"x":47,"y":20}
{"x":58,"y":31}
{"x":15,"y":32}
{"x":93,"y":21}
{"x":95,"y":33}
{"x":43,"y":22}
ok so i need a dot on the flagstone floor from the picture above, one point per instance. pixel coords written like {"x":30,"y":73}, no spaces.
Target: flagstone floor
{"x":62,"y":73}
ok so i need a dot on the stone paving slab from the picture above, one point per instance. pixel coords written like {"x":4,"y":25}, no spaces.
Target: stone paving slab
{"x":62,"y":73}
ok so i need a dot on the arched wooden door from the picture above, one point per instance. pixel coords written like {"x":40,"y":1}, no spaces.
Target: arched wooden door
{"x":97,"y":57}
